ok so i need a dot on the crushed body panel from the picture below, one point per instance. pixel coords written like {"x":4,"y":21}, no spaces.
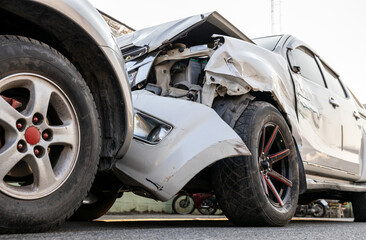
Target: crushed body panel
{"x":191,"y":146}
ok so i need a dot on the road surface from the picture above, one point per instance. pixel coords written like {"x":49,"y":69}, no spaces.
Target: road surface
{"x":191,"y":227}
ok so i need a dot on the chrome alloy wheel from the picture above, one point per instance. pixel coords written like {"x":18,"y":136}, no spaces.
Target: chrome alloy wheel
{"x":274,"y":170}
{"x":39,"y":136}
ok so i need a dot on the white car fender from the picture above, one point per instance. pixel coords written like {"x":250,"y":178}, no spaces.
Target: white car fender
{"x":198,"y":139}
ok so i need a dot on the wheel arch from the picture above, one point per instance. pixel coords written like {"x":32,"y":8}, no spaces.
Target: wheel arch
{"x":43,"y":23}
{"x":233,"y":110}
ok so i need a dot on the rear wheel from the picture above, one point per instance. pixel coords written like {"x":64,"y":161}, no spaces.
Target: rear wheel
{"x":359,"y":207}
{"x":49,"y":136}
{"x":261,"y":189}
{"x":301,"y":211}
{"x":319,"y":210}
{"x":208,"y":206}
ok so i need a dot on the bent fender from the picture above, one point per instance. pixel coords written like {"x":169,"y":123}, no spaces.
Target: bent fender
{"x":199,"y":138}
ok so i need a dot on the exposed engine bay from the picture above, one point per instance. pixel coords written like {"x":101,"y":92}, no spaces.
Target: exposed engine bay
{"x":159,"y":81}
{"x":177,"y":72}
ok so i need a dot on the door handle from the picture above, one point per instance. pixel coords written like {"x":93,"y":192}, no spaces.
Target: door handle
{"x":356,"y":115}
{"x":333,"y":102}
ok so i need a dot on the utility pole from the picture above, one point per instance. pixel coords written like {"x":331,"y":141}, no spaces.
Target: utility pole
{"x":276,"y":16}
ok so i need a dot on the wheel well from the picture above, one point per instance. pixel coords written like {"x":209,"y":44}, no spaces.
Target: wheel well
{"x":267,"y":97}
{"x":34,"y":20}
{"x":202,"y":181}
{"x":237,"y":105}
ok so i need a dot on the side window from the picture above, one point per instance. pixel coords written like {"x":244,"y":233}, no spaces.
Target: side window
{"x":332,"y":81}
{"x":308,"y":66}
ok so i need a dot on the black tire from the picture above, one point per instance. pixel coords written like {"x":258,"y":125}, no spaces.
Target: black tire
{"x":210,"y":206}
{"x":320,"y":210}
{"x":242,"y":193}
{"x":101,"y":197}
{"x":183,"y":204}
{"x":95,"y":209}
{"x":46,"y":210}
{"x":359,"y":207}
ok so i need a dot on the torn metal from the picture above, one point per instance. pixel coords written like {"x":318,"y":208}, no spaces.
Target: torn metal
{"x":191,"y":146}
{"x":175,"y":81}
{"x":183,"y":68}
{"x":190,"y":31}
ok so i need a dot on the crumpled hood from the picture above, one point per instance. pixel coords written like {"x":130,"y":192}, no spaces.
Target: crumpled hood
{"x":194,"y":30}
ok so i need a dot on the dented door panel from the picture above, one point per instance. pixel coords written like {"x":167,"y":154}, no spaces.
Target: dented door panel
{"x":325,"y":121}
{"x":352,"y":127}
{"x":320,"y":132}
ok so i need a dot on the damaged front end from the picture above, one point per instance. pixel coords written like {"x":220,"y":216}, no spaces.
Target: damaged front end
{"x":176,"y":71}
{"x":174,"y":140}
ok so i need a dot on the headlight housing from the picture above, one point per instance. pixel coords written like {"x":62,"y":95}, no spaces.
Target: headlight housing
{"x":150,"y":129}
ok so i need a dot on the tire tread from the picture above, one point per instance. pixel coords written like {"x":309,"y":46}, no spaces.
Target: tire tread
{"x":7,"y":39}
{"x":233,"y":183}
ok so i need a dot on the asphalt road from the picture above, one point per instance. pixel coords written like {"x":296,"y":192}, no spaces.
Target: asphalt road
{"x":196,"y":227}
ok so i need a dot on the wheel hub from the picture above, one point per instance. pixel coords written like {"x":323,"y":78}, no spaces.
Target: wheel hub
{"x":40,"y":141}
{"x":275,"y":178}
{"x":265,"y":165}
{"x":32,"y":135}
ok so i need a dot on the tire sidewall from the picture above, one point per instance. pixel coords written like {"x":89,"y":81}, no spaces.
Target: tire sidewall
{"x":264,"y":115}
{"x":268,"y":114}
{"x":237,"y":182}
{"x":29,"y":56}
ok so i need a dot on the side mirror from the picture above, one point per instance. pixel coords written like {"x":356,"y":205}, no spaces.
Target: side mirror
{"x":294,"y":68}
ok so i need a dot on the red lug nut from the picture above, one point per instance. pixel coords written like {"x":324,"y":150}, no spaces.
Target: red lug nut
{"x":36,"y":151}
{"x":20,"y":146}
{"x":35,"y":119}
{"x":19,"y":125}
{"x":45,"y":136}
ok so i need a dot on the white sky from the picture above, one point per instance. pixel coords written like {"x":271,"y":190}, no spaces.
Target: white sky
{"x":335,"y":29}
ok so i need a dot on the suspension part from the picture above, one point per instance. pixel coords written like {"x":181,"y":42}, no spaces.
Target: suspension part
{"x":14,"y":103}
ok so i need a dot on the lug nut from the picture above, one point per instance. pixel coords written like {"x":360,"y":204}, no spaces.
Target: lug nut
{"x":36,"y":151}
{"x":19,"y":125}
{"x":35,"y":119}
{"x":20,"y":146}
{"x":45,"y":136}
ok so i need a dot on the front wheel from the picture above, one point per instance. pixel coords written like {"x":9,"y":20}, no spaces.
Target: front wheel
{"x":261,"y":189}
{"x":183,"y":204}
{"x":49,"y":136}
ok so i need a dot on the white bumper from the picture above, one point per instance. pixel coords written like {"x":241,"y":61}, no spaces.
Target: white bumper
{"x":199,"y":138}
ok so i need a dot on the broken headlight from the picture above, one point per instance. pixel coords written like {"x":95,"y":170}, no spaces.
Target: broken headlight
{"x":150,"y":129}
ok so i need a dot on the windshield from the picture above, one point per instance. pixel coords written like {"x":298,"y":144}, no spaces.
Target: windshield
{"x":267,"y":42}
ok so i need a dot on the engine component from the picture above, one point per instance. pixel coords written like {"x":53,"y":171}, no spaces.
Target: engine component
{"x":187,"y":71}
